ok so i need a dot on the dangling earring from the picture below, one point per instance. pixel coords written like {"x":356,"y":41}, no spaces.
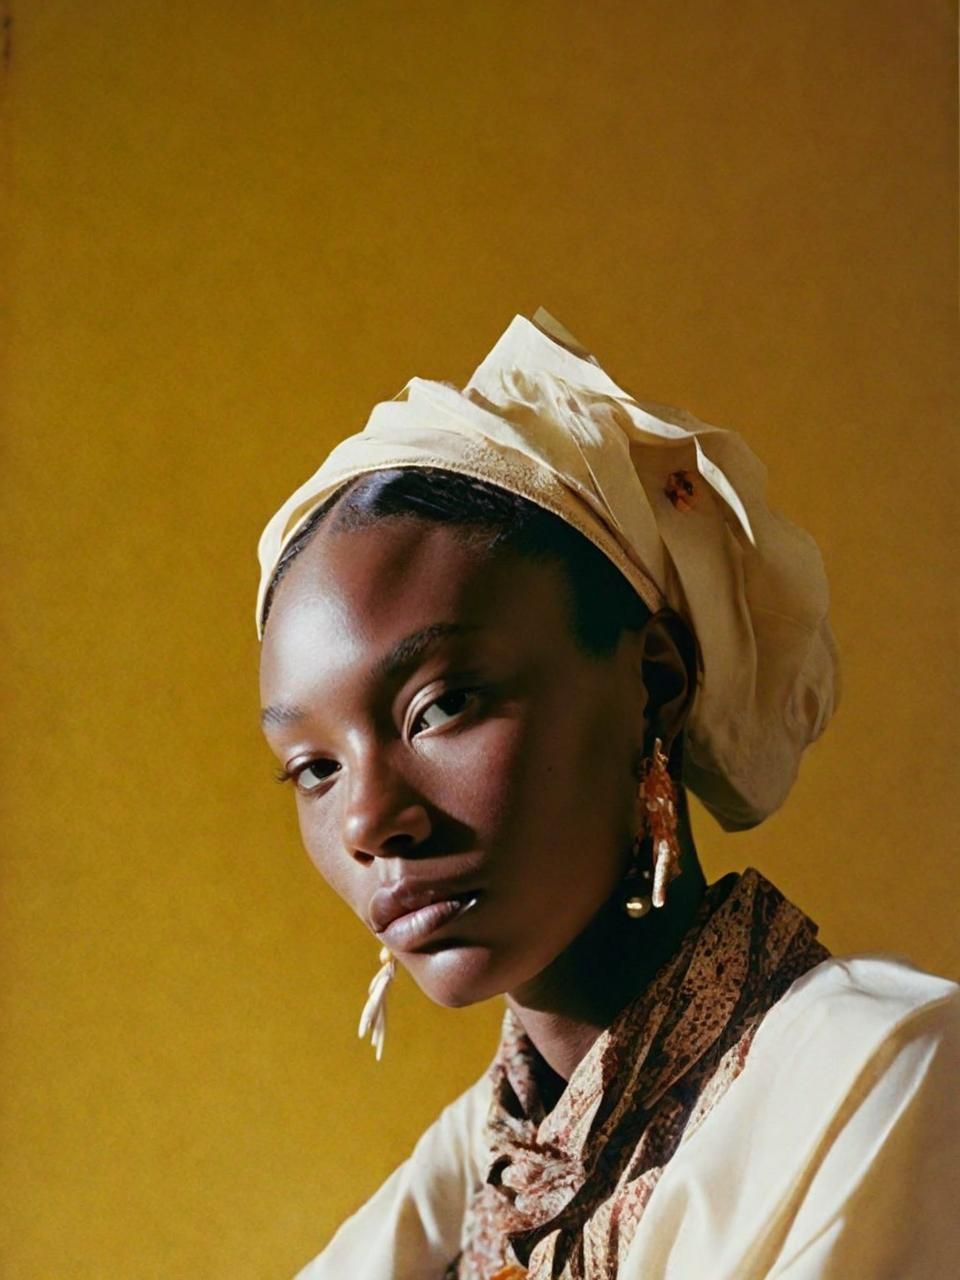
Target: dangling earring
{"x":374,"y":1016}
{"x":660,"y":803}
{"x":659,"y":810}
{"x":636,"y":900}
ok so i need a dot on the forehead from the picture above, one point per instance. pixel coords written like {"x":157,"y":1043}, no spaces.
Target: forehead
{"x":350,"y":595}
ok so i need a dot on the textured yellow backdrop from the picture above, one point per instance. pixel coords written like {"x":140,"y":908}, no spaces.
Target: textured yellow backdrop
{"x":236,"y":226}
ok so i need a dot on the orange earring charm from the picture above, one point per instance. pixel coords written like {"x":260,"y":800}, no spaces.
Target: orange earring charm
{"x":658,"y":820}
{"x":659,"y":802}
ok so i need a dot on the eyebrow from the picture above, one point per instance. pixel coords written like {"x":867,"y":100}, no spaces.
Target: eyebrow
{"x":405,"y":653}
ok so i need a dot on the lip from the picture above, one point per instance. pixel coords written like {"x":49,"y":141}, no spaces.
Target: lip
{"x":405,"y":914}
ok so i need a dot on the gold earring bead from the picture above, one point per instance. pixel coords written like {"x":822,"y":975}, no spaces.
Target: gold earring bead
{"x":637,"y":906}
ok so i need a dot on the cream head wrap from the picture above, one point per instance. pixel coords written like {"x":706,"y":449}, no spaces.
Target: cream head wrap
{"x":679,"y":508}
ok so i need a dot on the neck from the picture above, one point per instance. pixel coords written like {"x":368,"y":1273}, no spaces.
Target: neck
{"x":565,"y":1007}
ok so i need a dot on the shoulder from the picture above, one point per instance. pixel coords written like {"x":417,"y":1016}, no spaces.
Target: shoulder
{"x":853,"y":1068}
{"x":849,"y":1050}
{"x":880,"y":982}
{"x":410,"y":1227}
{"x":850,"y":1007}
{"x":834,"y":1153}
{"x":459,"y":1129}
{"x":838,"y":1028}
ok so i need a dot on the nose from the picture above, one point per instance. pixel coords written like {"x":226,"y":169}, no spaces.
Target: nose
{"x":383,"y":815}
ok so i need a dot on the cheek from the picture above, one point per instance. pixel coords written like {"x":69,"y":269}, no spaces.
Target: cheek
{"x":571,"y":781}
{"x":486,"y":786}
{"x":553,"y":804}
{"x":319,"y":832}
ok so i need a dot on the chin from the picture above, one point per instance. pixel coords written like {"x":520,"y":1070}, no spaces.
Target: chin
{"x":457,"y":976}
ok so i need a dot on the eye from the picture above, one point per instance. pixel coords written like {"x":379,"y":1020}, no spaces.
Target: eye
{"x":310,"y":776}
{"x":445,"y":708}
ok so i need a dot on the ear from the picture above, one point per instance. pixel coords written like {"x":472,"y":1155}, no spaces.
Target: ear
{"x":669,"y":666}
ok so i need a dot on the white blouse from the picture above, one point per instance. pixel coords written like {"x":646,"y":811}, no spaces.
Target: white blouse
{"x":834,"y":1155}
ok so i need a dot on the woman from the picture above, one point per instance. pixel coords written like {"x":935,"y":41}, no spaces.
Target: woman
{"x":503,"y":630}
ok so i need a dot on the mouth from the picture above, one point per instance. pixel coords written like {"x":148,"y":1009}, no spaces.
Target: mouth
{"x":408,"y":914}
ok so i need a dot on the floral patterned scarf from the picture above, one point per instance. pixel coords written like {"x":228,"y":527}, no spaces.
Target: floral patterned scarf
{"x":565,"y":1190}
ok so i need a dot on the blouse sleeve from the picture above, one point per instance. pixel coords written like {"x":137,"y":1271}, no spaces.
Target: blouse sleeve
{"x":410,"y":1228}
{"x":881,"y":1201}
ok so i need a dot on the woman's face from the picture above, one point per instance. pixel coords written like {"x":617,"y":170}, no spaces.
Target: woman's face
{"x":462,"y":770}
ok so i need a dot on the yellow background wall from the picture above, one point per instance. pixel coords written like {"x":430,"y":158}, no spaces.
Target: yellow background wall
{"x":235,"y":226}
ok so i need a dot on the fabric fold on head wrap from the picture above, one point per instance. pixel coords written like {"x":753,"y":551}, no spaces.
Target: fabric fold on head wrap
{"x":678,"y":506}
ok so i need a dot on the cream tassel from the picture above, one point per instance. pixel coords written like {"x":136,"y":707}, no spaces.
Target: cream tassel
{"x":374,"y":1016}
